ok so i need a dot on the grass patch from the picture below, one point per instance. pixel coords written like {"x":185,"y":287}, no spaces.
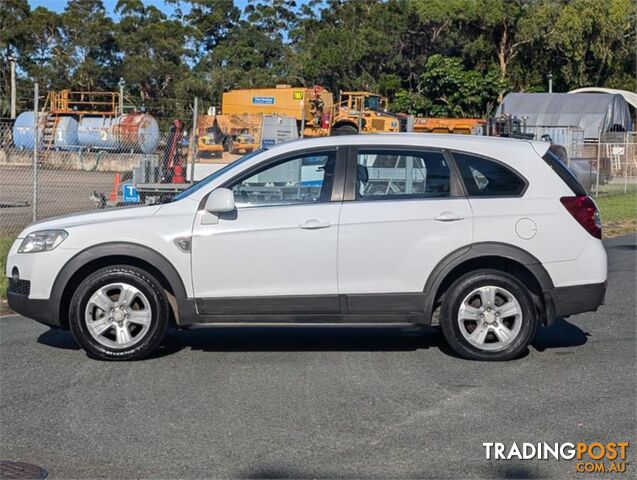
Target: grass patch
{"x":5,"y":244}
{"x":619,"y":213}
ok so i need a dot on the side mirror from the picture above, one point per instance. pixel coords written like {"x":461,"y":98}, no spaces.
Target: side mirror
{"x":220,"y":200}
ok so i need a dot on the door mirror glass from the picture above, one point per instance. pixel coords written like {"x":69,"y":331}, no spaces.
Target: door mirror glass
{"x":220,"y":200}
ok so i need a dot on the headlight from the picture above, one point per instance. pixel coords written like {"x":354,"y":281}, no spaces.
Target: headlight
{"x":42,"y":241}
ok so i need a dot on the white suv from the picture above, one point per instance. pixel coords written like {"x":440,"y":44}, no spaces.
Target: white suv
{"x":494,"y":234}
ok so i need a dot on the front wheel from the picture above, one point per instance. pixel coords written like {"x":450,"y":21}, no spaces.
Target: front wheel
{"x":119,"y":313}
{"x":488,"y":315}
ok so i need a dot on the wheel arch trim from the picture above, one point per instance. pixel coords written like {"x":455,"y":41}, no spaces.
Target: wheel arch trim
{"x":475,"y":251}
{"x":121,"y":249}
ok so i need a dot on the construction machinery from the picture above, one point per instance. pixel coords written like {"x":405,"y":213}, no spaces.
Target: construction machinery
{"x":208,"y":145}
{"x":237,"y":128}
{"x":508,"y":126}
{"x":462,"y":126}
{"x":362,"y":112}
{"x":309,"y":106}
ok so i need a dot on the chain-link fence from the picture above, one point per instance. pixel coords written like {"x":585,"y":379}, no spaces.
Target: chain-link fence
{"x":615,"y":163}
{"x":606,"y":165}
{"x":90,"y":167}
{"x":75,"y":170}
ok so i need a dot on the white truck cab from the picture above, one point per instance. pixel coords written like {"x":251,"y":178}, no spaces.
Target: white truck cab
{"x":496,"y":234}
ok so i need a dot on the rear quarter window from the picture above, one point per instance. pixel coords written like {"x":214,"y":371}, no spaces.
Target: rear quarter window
{"x":487,"y":178}
{"x":554,"y":158}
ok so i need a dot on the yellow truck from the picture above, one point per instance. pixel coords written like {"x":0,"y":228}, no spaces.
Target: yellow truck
{"x":309,"y":106}
{"x":315,"y":110}
{"x":237,"y":128}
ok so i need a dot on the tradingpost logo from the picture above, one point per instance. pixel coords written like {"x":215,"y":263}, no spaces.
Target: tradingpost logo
{"x":590,"y":457}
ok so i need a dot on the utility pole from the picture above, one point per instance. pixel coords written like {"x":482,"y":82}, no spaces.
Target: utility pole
{"x":302,"y":104}
{"x":193,"y":140}
{"x":36,"y":144}
{"x":121,"y":84}
{"x":550,"y":77}
{"x":13,"y":92}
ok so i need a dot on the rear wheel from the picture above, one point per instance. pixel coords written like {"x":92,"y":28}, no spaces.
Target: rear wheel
{"x":488,"y":315}
{"x":119,"y":313}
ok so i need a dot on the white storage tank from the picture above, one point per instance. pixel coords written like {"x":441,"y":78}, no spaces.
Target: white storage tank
{"x":132,"y":132}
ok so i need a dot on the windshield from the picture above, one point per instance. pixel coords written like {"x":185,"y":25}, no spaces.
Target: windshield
{"x":205,"y":181}
{"x":373,"y":103}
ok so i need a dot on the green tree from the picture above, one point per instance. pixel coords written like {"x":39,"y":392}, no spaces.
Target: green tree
{"x":153,"y":53}
{"x":14,"y":38}
{"x":593,"y":43}
{"x":86,"y":52}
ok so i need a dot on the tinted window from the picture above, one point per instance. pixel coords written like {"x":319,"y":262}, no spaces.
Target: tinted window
{"x":487,"y":178}
{"x":384,"y":175}
{"x":302,"y":179}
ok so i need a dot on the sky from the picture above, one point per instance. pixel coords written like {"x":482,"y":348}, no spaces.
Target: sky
{"x":58,"y":5}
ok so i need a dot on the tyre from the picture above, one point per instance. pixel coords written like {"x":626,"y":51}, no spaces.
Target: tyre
{"x":119,"y":313}
{"x":488,"y":315}
{"x":345,"y":130}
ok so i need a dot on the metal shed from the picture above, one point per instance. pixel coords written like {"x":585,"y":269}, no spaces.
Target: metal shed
{"x":594,"y":114}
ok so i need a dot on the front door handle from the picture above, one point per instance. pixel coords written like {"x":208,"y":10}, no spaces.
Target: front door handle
{"x":315,"y":224}
{"x":448,"y":217}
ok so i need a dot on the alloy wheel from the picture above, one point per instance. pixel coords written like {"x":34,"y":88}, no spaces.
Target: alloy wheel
{"x":490,"y":318}
{"x":118,"y":315}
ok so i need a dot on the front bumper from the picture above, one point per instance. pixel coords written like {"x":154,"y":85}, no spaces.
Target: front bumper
{"x":40,"y":310}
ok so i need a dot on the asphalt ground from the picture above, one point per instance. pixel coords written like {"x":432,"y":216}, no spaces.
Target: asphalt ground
{"x":314,"y":402}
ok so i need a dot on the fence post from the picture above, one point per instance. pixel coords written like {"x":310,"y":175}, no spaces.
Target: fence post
{"x":13,"y":89}
{"x":599,"y":166}
{"x":193,"y":139}
{"x":36,"y":144}
{"x":625,"y":162}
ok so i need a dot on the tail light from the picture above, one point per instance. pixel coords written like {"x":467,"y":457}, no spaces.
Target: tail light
{"x":584,"y":210}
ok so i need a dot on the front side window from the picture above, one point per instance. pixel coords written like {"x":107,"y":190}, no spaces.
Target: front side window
{"x":387,"y":175}
{"x":299,"y":180}
{"x":213,"y":176}
{"x":487,"y":178}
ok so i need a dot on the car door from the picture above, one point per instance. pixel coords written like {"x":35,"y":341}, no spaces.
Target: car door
{"x":276,"y":253}
{"x":404,"y":211}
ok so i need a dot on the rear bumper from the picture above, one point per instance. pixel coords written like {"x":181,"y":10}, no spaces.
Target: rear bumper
{"x":577,"y":299}
{"x":40,"y":310}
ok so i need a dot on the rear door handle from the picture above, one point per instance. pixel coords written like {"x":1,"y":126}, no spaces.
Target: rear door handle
{"x":315,"y":224}
{"x":448,"y":217}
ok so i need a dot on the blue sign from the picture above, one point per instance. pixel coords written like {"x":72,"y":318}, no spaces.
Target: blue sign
{"x":268,"y":142}
{"x":263,"y":100}
{"x":129,"y":193}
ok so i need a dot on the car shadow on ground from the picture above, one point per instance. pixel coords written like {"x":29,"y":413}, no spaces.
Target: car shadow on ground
{"x":561,"y":334}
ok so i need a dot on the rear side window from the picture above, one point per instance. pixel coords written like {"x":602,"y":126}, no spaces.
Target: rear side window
{"x":487,"y":178}
{"x":554,"y":160}
{"x":387,"y":175}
